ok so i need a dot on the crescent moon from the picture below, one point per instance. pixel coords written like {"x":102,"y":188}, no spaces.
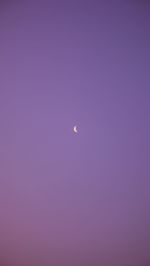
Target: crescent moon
{"x":75,"y":129}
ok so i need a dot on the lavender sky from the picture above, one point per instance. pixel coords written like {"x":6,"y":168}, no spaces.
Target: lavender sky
{"x":75,"y":199}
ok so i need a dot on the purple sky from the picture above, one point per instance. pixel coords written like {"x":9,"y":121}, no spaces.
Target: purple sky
{"x":75,"y":199}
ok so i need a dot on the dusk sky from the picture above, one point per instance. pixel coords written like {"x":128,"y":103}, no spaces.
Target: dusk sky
{"x":70,"y":199}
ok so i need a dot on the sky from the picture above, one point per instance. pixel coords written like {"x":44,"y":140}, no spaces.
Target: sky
{"x":66,"y":198}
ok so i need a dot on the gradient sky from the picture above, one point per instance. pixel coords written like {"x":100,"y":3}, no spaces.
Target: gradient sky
{"x":75,"y":199}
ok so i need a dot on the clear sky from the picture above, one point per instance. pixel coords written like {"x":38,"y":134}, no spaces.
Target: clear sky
{"x":66,"y":198}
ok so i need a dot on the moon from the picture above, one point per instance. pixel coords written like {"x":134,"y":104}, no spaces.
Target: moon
{"x":75,"y":129}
